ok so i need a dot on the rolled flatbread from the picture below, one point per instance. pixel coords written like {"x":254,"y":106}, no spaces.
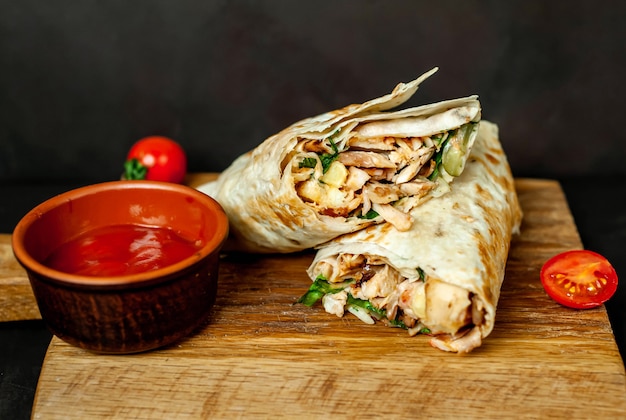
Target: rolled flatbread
{"x":443,"y":276}
{"x":345,"y":170}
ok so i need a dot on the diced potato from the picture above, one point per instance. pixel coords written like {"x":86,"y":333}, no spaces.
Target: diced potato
{"x":311,"y":190}
{"x":322,"y":194}
{"x":333,"y":198}
{"x":336,"y":175}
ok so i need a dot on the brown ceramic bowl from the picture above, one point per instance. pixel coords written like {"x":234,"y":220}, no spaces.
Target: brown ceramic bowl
{"x":124,"y":313}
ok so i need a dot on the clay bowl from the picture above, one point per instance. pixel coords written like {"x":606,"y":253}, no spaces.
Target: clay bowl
{"x":123,"y":312}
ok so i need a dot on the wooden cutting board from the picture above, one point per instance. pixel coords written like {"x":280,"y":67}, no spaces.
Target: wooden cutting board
{"x":17,"y":301}
{"x":260,"y":355}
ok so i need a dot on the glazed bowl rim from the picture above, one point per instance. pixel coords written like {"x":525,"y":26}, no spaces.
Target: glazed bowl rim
{"x":46,"y":273}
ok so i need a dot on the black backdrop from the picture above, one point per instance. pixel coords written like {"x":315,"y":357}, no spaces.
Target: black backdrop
{"x":80,"y":81}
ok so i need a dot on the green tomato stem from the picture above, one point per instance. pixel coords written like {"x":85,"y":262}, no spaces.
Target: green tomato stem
{"x":134,"y":170}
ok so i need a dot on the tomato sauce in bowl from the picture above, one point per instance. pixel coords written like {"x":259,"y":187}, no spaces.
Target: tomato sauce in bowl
{"x":119,"y":250}
{"x":123,"y":266}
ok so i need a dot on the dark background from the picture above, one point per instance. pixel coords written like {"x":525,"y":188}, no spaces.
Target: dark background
{"x":81,"y":81}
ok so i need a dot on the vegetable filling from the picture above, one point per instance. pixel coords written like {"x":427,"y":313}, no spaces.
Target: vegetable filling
{"x":370,"y":289}
{"x":380,"y":179}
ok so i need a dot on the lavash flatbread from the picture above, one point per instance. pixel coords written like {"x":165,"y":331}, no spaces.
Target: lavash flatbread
{"x":284,"y":196}
{"x":444,"y":275}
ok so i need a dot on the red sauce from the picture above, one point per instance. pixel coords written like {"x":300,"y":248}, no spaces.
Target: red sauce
{"x":120,"y":250}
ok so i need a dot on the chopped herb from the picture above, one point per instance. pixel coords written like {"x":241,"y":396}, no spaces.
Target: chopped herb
{"x":328,"y":158}
{"x":318,"y":289}
{"x":437,"y":138}
{"x":437,"y":158}
{"x":421,"y":273}
{"x":369,"y":215}
{"x":435,"y":174}
{"x":332,"y":143}
{"x":367,"y":305}
{"x":321,"y":287}
{"x":308,"y":162}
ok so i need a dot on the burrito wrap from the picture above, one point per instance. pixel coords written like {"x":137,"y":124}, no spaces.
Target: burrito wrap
{"x":454,"y":255}
{"x":258,"y":190}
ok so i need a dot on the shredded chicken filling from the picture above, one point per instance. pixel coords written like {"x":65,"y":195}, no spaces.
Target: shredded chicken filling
{"x":384,"y":177}
{"x":417,"y":303}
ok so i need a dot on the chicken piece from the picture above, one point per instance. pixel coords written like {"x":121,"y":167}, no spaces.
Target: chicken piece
{"x":418,"y":187}
{"x":382,"y":193}
{"x":448,"y":307}
{"x":334,"y":303}
{"x":382,"y":284}
{"x":327,"y":269}
{"x":330,"y":200}
{"x":356,"y":178}
{"x":349,"y":266}
{"x":400,"y":220}
{"x":463,"y":343}
{"x":417,"y":160}
{"x":366,"y":204}
{"x":408,"y":173}
{"x":399,"y":299}
{"x":379,"y":174}
{"x":371,"y":143}
{"x":427,"y":170}
{"x":365,"y":160}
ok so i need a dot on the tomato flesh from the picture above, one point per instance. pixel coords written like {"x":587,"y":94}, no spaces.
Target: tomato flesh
{"x":163,"y":160}
{"x":579,"y":279}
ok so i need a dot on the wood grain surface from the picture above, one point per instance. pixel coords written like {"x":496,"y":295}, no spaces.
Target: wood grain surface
{"x":17,"y":301}
{"x":260,"y":355}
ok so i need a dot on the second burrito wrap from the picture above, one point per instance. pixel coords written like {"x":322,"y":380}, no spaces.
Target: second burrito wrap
{"x":443,"y":276}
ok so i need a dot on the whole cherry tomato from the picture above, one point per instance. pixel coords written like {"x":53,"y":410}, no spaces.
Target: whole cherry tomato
{"x":156,"y":158}
{"x":579,"y":279}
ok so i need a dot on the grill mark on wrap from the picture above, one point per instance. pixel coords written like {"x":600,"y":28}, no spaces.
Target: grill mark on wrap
{"x":498,"y":242}
{"x":289,"y":215}
{"x":487,"y":246}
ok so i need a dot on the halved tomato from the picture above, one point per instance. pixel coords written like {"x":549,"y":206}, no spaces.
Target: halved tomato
{"x":579,"y":279}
